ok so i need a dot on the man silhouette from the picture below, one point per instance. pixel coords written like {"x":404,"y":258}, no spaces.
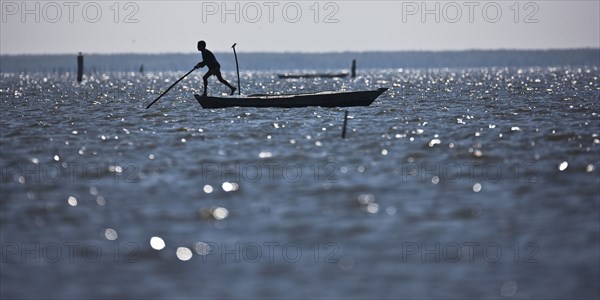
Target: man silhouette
{"x":214,"y":68}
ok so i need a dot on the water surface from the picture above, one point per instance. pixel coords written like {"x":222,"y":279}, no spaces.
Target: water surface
{"x":455,"y":183}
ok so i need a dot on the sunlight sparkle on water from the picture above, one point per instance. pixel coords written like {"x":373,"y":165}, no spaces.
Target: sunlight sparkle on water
{"x":157,"y":243}
{"x":365,"y":199}
{"x":184,"y":253}
{"x":202,"y":248}
{"x":100,"y":201}
{"x":563,"y":166}
{"x":220,"y":213}
{"x":72,"y":201}
{"x":434,"y":142}
{"x":391,"y":210}
{"x":373,"y":208}
{"x":265,"y":154}
{"x":117,"y":169}
{"x":230,"y":186}
{"x":111,"y":234}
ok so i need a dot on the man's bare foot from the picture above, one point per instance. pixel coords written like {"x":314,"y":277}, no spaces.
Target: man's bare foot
{"x":204,"y":94}
{"x":232,"y":91}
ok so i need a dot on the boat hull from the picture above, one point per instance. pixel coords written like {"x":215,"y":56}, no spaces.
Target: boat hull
{"x":324,"y":99}
{"x":312,"y":75}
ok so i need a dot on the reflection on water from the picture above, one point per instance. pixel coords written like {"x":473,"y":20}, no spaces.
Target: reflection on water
{"x":464,"y":183}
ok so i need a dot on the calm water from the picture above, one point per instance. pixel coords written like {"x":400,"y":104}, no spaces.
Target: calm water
{"x":460,"y":183}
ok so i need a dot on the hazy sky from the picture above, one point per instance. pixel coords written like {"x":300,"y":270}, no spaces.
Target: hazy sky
{"x":305,"y":26}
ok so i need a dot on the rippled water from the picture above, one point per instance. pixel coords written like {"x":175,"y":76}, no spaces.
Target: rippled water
{"x":466,"y":183}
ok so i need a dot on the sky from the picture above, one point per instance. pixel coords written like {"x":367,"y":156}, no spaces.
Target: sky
{"x":57,"y":27}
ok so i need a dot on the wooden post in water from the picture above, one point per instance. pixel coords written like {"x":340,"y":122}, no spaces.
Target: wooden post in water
{"x":345,"y":123}
{"x":79,"y":67}
{"x":353,"y":68}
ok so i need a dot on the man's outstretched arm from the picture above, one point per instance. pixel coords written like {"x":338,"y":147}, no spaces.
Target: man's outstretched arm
{"x":200,"y":65}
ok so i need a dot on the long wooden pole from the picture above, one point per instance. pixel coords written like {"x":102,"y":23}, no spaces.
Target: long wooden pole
{"x":237,"y":66}
{"x":176,"y":82}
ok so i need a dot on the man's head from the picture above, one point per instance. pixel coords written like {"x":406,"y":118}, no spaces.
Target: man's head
{"x":201,"y":45}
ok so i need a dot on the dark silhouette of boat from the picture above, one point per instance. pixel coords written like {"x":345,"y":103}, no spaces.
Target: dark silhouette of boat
{"x":324,"y":99}
{"x":312,"y":75}
{"x":319,"y":75}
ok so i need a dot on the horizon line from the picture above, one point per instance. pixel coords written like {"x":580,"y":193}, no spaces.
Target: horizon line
{"x":310,"y":52}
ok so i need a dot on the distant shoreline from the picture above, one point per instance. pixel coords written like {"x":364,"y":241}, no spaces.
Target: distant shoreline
{"x":308,"y":61}
{"x":311,"y":53}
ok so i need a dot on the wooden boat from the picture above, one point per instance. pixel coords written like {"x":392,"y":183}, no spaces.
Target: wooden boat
{"x":312,"y":75}
{"x":324,"y":99}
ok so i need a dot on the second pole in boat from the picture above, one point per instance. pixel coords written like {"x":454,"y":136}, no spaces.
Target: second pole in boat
{"x":237,"y":67}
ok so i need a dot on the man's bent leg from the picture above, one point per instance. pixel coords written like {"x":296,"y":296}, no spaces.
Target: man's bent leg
{"x":205,"y":81}
{"x":222,"y":80}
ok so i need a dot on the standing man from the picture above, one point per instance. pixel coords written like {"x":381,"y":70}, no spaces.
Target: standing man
{"x":214,"y":68}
